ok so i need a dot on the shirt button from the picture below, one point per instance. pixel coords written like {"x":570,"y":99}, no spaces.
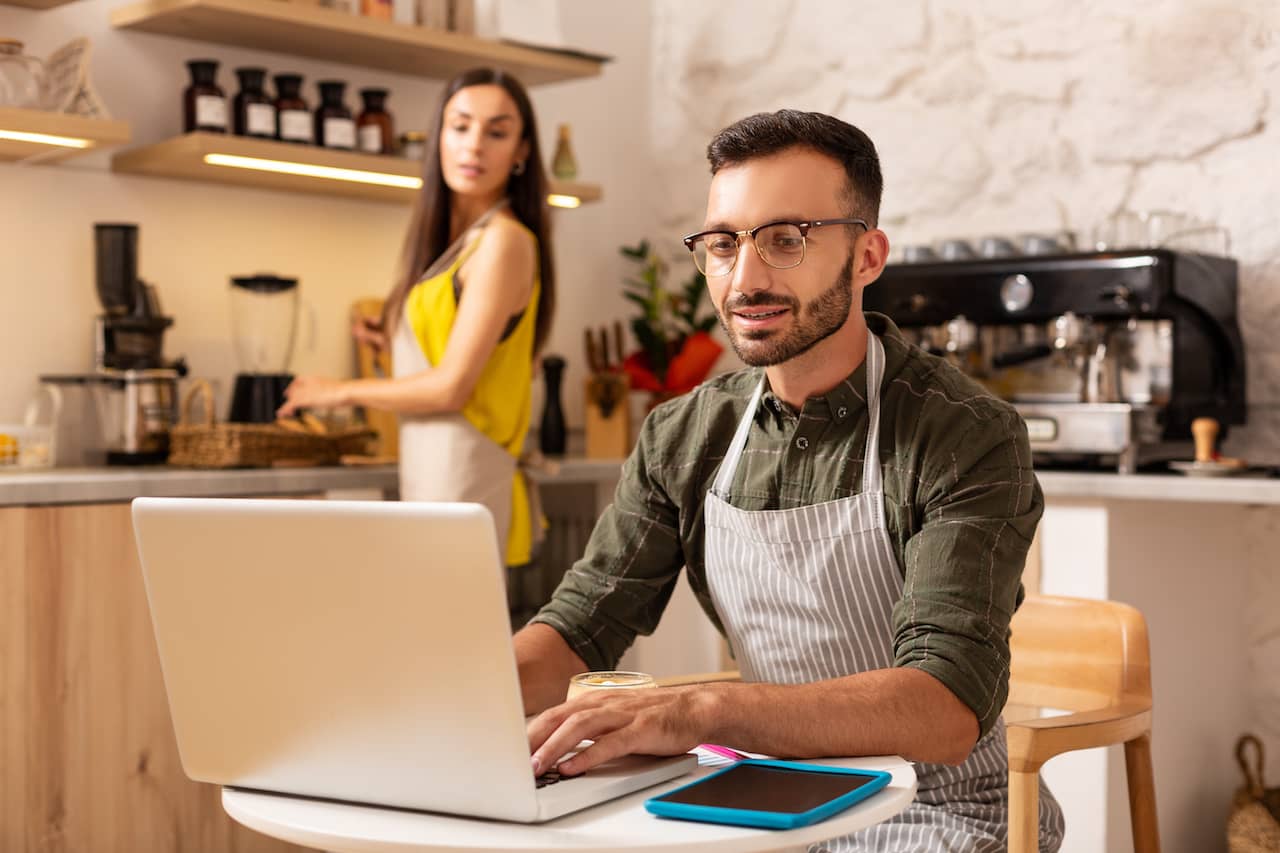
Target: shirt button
{"x":802,"y":443}
{"x":841,"y":412}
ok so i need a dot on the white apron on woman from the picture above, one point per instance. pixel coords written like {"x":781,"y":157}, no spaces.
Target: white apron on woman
{"x":443,"y":457}
{"x":807,"y":594}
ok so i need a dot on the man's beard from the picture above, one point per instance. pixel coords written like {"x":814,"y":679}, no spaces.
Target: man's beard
{"x":812,"y":323}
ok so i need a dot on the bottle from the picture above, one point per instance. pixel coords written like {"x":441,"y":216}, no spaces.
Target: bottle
{"x":22,"y":79}
{"x":253,"y":113}
{"x":204,"y":102}
{"x":334,"y":127}
{"x":376,"y":9}
{"x":374,"y":127}
{"x":413,"y":145}
{"x":551,"y":431}
{"x":293,"y":117}
{"x":562,"y":163}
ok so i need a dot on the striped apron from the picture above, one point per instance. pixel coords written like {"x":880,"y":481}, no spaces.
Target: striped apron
{"x":807,"y":594}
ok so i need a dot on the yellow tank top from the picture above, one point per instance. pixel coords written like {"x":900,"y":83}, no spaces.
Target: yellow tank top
{"x":499,"y":407}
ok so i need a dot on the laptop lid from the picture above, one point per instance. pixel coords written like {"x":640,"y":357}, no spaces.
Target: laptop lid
{"x":354,"y":650}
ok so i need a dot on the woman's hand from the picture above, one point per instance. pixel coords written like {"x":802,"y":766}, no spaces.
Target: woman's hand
{"x":368,"y":331}
{"x":313,"y":392}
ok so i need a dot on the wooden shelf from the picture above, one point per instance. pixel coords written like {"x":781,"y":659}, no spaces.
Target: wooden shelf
{"x":186,"y":157}
{"x":96,"y":132}
{"x":304,"y":30}
{"x":36,"y":4}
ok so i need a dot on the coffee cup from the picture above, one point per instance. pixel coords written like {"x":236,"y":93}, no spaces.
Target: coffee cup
{"x":608,"y":680}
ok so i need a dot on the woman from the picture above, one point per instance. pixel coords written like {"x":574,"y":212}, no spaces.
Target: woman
{"x":472,"y":306}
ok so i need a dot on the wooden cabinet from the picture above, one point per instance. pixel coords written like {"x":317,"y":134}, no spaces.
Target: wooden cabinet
{"x":88,"y":760}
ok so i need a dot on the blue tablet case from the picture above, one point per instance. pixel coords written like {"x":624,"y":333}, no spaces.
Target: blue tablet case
{"x":877,"y":779}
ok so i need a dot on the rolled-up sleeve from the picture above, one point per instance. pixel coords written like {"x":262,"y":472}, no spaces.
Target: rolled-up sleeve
{"x":963,"y":567}
{"x":623,"y":582}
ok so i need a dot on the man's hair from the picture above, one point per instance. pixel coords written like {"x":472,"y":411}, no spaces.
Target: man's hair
{"x":765,"y":134}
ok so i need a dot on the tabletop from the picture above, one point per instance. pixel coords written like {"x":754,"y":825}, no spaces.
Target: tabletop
{"x":618,"y":825}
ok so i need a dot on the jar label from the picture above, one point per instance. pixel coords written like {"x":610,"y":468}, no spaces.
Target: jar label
{"x":339,"y":133}
{"x":260,"y":120}
{"x":295,"y":125}
{"x":371,"y":139}
{"x":211,"y":111}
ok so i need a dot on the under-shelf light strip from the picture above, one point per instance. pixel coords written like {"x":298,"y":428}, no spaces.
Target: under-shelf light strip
{"x":355,"y":175}
{"x":306,"y":169}
{"x":45,"y":139}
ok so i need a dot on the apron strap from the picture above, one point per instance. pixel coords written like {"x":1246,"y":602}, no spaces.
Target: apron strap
{"x":724,"y":479}
{"x":871,"y":476}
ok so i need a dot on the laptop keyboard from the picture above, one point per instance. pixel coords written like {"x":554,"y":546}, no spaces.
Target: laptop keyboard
{"x":551,"y":777}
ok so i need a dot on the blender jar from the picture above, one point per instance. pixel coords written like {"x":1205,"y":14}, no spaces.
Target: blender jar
{"x":264,"y":320}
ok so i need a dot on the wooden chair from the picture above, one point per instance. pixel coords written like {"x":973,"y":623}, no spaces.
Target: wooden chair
{"x":1090,"y":658}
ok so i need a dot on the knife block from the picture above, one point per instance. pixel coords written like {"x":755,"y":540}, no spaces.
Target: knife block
{"x":608,"y":435}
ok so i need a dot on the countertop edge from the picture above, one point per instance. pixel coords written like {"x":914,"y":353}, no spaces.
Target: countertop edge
{"x":112,"y":485}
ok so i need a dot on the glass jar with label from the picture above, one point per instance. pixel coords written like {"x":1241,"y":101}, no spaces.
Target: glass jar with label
{"x":293,"y":116}
{"x":334,"y":126}
{"x":413,"y":145}
{"x":204,"y":103}
{"x":253,"y":113}
{"x":375,"y":129}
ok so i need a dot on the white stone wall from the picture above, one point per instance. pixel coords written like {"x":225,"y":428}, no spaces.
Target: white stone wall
{"x":1010,"y":116}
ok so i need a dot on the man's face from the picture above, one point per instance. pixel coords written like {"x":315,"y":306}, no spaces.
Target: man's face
{"x":773,"y":315}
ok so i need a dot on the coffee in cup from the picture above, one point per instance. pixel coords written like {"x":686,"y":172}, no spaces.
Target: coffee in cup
{"x":584,"y":681}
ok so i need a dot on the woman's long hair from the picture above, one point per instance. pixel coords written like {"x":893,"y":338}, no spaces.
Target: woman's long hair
{"x":428,"y":234}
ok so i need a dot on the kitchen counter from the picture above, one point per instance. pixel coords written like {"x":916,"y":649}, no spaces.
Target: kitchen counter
{"x":1239,"y":489}
{"x":122,"y":484}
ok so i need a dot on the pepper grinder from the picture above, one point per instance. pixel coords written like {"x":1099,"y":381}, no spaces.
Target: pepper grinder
{"x":551,"y":432}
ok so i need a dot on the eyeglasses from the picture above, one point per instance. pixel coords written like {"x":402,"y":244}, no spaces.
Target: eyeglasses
{"x":779,"y":244}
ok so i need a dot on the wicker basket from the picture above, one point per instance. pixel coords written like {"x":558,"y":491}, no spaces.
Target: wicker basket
{"x":1254,"y":824}
{"x":209,"y":444}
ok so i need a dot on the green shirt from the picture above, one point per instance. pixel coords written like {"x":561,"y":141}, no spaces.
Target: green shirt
{"x":961,"y":505}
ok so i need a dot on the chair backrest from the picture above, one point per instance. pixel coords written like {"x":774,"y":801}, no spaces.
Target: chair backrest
{"x":1078,"y":654}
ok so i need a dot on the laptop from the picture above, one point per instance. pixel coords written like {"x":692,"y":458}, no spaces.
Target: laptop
{"x":351,"y":650}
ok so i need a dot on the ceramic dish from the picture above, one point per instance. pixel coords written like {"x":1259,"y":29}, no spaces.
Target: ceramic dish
{"x":1207,"y":469}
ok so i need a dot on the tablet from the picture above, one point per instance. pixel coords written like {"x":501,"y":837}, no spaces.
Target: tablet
{"x":769,"y":794}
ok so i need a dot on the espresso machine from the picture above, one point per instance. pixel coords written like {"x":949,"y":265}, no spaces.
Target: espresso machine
{"x":133,"y":386}
{"x":1108,"y":356}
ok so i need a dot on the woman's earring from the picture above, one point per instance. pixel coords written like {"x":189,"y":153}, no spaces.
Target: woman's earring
{"x":518,"y":168}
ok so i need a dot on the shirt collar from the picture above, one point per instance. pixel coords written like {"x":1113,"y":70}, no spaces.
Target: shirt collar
{"x":849,"y":396}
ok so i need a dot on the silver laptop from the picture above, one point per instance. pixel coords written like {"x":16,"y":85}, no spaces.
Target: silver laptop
{"x":351,"y":650}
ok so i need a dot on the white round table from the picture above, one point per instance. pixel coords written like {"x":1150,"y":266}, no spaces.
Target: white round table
{"x":618,"y":825}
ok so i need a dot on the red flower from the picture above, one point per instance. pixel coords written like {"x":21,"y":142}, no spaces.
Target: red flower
{"x":688,"y":368}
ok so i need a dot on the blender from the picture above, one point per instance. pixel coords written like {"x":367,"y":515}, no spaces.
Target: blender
{"x":264,"y":319}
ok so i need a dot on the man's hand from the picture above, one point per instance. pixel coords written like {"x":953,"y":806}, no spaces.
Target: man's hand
{"x":660,"y":721}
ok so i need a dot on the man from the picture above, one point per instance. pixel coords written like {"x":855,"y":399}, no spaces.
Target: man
{"x":855,"y":517}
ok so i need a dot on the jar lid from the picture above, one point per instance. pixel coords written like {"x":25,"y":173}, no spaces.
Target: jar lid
{"x":413,"y":136}
{"x":264,"y":283}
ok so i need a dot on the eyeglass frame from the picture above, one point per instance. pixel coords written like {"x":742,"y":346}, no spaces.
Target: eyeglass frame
{"x":690,"y":241}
